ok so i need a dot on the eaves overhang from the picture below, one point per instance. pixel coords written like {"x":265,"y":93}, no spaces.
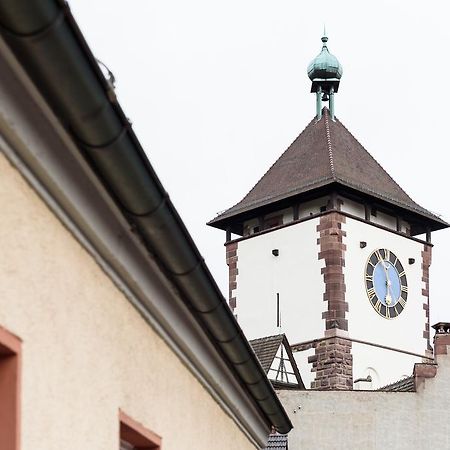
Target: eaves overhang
{"x":233,"y":218}
{"x":325,"y":155}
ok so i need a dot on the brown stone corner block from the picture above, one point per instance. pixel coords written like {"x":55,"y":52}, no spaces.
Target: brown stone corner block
{"x":333,"y":365}
{"x":332,"y":251}
{"x":232,"y":262}
{"x":423,"y":371}
{"x":440,"y":349}
{"x":441,"y":342}
{"x":442,"y":338}
{"x":426,"y":263}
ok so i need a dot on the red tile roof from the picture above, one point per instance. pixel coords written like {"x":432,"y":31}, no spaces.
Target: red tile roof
{"x":325,"y":153}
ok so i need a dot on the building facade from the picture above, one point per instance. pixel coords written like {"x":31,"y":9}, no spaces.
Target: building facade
{"x":113,"y":333}
{"x":330,"y":243}
{"x":411,"y":414}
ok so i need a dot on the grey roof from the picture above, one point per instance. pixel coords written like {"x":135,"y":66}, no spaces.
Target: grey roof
{"x":323,"y":154}
{"x":404,"y":385}
{"x":277,"y":442}
{"x":266,"y":349}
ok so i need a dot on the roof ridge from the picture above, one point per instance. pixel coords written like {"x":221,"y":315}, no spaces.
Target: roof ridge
{"x":376,"y":162}
{"x":330,"y":147}
{"x":272,"y":336}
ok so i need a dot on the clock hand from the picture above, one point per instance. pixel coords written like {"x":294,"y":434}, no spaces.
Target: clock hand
{"x":388,"y":298}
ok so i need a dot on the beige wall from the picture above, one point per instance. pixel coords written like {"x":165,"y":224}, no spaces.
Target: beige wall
{"x":86,"y":351}
{"x":373,"y":420}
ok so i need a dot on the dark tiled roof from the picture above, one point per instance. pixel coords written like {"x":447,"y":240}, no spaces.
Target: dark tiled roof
{"x":324,"y":153}
{"x":266,"y":349}
{"x":277,"y":442}
{"x":403,"y":385}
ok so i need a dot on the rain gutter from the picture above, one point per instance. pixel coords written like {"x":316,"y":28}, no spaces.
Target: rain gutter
{"x":48,"y":43}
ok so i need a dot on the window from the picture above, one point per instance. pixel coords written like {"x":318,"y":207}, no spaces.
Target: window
{"x":274,"y":221}
{"x":133,"y":436}
{"x":10,"y":347}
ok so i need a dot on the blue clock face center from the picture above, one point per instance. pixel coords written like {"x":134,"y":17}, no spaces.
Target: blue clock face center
{"x":386,"y":282}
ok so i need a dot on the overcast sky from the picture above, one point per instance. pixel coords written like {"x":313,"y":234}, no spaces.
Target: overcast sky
{"x":216,"y":91}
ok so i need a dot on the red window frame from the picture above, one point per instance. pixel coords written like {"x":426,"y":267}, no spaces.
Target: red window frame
{"x":10,"y":370}
{"x":137,"y":435}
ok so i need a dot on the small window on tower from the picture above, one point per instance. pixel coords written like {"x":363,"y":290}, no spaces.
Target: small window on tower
{"x":323,"y":208}
{"x":272,"y":222}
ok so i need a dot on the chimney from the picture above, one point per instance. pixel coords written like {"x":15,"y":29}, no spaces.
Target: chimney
{"x":441,"y":338}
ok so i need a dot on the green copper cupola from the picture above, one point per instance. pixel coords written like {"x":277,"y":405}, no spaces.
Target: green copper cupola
{"x":325,"y":72}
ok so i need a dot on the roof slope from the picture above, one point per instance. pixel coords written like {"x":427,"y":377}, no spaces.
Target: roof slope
{"x":404,"y":385}
{"x":324,"y":153}
{"x":277,"y":442}
{"x":266,"y":349}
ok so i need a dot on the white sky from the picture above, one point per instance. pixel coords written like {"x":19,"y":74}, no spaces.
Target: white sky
{"x":216,"y":91}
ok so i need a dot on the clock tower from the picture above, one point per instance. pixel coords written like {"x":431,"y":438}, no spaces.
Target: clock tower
{"x":333,"y":251}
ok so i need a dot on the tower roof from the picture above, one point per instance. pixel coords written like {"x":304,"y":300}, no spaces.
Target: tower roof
{"x":325,"y":154}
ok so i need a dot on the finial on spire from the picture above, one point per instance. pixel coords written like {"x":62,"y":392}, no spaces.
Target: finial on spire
{"x":325,"y":73}
{"x":324,"y":37}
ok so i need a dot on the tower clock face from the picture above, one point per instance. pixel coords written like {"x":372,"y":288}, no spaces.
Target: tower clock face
{"x":386,"y":283}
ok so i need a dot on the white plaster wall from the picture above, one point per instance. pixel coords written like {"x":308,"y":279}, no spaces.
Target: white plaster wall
{"x":385,"y":220}
{"x":295,"y":274}
{"x":313,"y":207}
{"x":382,"y":365}
{"x":276,"y":374}
{"x":404,"y":332}
{"x":286,"y":213}
{"x":304,"y":367}
{"x":86,"y":351}
{"x":355,"y":420}
{"x":354,"y":208}
{"x":404,"y":226}
{"x":249,"y":225}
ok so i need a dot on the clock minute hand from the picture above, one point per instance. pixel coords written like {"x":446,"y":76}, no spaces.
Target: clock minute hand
{"x":388,"y":297}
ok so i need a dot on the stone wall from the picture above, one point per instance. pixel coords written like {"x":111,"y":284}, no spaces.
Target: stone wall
{"x":377,"y":420}
{"x":332,"y":363}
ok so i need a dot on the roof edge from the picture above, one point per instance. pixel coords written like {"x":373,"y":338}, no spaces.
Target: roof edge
{"x":223,"y":220}
{"x":153,"y":214}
